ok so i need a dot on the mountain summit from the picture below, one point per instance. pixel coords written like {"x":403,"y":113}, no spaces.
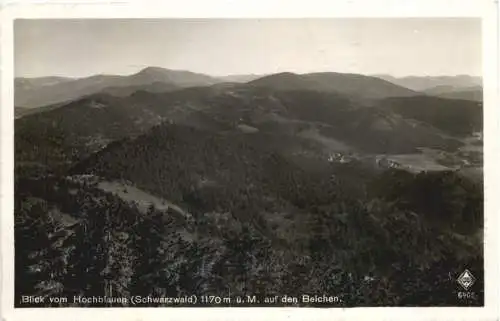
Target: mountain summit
{"x":180,"y":78}
{"x":349,"y":84}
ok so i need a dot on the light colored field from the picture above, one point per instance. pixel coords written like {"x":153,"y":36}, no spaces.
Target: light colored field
{"x":142,"y":198}
{"x":65,"y":219}
{"x":418,"y":162}
{"x":247,"y":129}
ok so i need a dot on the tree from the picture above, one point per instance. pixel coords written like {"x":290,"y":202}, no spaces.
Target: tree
{"x":151,"y":262}
{"x":39,"y":263}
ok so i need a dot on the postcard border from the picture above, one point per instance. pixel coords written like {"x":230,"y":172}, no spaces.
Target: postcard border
{"x":487,"y":10}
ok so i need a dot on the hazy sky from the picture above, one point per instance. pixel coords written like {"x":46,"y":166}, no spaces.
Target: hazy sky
{"x":418,"y":46}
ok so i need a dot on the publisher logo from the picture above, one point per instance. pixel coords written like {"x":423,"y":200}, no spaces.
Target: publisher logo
{"x":466,"y":279}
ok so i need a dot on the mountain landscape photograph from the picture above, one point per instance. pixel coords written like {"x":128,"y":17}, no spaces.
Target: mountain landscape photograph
{"x":325,"y":163}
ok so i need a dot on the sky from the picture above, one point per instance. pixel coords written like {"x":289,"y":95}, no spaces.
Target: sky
{"x":399,"y":47}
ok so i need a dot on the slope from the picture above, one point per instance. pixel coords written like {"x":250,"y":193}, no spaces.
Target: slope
{"x":455,"y":117}
{"x":474,"y":93}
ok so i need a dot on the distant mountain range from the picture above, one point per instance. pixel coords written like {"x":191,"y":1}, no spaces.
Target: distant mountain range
{"x":453,"y":87}
{"x":240,"y":78}
{"x":423,"y":83}
{"x":43,"y":91}
{"x":51,"y":90}
{"x":36,"y":92}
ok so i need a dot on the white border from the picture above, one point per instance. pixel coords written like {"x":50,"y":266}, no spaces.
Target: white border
{"x":488,"y":10}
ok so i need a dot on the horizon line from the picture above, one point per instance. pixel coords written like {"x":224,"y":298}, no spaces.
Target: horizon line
{"x":248,"y":74}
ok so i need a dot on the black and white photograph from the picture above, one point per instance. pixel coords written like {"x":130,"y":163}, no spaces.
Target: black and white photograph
{"x":278,"y":162}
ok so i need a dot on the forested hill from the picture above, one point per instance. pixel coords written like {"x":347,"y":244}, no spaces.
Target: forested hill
{"x":341,"y":83}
